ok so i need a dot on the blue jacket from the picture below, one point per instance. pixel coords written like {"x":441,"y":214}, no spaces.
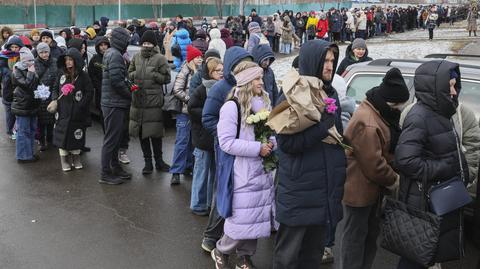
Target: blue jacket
{"x":260,"y":53}
{"x":183,"y":38}
{"x":218,"y":93}
{"x":312,"y":173}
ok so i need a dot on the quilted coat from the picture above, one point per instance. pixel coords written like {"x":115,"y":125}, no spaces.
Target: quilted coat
{"x":427,"y":146}
{"x":150,"y":71}
{"x":312,"y":173}
{"x":182,"y":37}
{"x":47,"y":74}
{"x":181,"y":86}
{"x":253,"y":189}
{"x":217,"y":43}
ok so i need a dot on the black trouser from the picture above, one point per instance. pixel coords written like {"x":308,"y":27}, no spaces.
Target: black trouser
{"x":359,"y":237}
{"x":430,"y":33}
{"x":156,"y":144}
{"x":116,"y":120}
{"x":46,"y":133}
{"x":276,"y":43}
{"x":299,"y":247}
{"x":214,"y":230}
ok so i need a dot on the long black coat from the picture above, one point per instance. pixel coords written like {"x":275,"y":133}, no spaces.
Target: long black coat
{"x":47,"y":75}
{"x":25,"y":83}
{"x":201,"y":138}
{"x":69,"y":131}
{"x":427,"y":147}
{"x":311,"y":173}
{"x":95,"y":70}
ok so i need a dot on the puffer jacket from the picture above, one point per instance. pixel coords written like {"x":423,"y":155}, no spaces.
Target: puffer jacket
{"x":47,"y":75}
{"x":25,"y":83}
{"x":115,"y":92}
{"x":182,"y":37}
{"x":150,"y":71}
{"x":427,"y":147}
{"x":312,"y":173}
{"x":201,"y":41}
{"x":201,"y":138}
{"x":181,"y":86}
{"x":227,"y":38}
{"x":287,"y":31}
{"x":7,"y":61}
{"x":350,"y":59}
{"x":69,"y":130}
{"x":260,"y":53}
{"x":322,"y":28}
{"x":217,"y":43}
{"x":95,"y":70}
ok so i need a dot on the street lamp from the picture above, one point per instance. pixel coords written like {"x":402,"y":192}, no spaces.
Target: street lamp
{"x":35,"y":13}
{"x":119,"y":10}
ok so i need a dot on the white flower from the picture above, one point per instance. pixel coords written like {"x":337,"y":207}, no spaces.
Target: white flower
{"x":42,"y":92}
{"x":256,"y":118}
{"x":264,"y":114}
{"x":249,"y":120}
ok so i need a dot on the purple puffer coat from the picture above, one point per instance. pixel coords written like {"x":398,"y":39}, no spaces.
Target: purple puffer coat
{"x":253,"y":189}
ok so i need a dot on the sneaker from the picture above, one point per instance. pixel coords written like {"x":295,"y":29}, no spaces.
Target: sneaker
{"x":201,"y":213}
{"x":175,"y":179}
{"x":66,"y":164}
{"x":162,"y":166}
{"x":119,"y":172}
{"x":244,"y":262}
{"x":77,"y":161}
{"x":327,"y":255}
{"x":208,"y":245}
{"x":110,"y":180}
{"x":14,"y":136}
{"x":220,"y":259}
{"x":122,"y":157}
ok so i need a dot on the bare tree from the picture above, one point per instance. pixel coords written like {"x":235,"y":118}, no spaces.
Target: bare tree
{"x":219,"y":4}
{"x":242,"y":6}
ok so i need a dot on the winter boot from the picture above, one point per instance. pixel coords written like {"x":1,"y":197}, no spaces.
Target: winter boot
{"x":162,"y":166}
{"x":77,"y":161}
{"x":66,"y":165}
{"x":175,"y":179}
{"x":148,"y":169}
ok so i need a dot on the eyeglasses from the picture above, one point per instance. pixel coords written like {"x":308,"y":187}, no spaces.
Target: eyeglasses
{"x":219,"y":71}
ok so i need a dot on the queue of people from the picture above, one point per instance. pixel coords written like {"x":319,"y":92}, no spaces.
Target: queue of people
{"x":324,"y":173}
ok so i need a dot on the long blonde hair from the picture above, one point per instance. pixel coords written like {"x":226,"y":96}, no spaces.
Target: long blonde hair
{"x":245,"y":93}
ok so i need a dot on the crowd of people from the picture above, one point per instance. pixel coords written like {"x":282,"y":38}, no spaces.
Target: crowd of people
{"x":341,"y":166}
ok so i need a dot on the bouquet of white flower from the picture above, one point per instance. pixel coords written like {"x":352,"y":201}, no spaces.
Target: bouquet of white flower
{"x":42,"y":92}
{"x":263,"y":134}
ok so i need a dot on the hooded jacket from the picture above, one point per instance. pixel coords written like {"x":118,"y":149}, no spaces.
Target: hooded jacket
{"x":260,"y":53}
{"x":95,"y":70}
{"x":69,"y":131}
{"x":427,"y":146}
{"x":350,"y":59}
{"x":217,"y":43}
{"x":227,"y":38}
{"x":68,"y":32}
{"x":7,"y":61}
{"x":218,"y":94}
{"x":25,"y":83}
{"x":47,"y":75}
{"x":201,"y":41}
{"x":115,"y":92}
{"x":312,"y":173}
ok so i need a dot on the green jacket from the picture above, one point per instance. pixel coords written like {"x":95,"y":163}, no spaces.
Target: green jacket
{"x":150,"y":71}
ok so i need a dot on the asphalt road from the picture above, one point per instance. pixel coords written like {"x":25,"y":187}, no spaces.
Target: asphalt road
{"x":51,"y":219}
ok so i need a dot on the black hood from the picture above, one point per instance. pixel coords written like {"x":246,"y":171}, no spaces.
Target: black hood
{"x":349,"y":53}
{"x":68,"y":32}
{"x":100,"y":40}
{"x":312,"y":56}
{"x":262,"y":52}
{"x":432,"y":86}
{"x":75,"y":54}
{"x":120,"y":39}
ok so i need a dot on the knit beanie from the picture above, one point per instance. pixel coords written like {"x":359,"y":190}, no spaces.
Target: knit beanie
{"x":192,"y":53}
{"x":26,"y":55}
{"x":149,"y":36}
{"x":359,"y":43}
{"x":212,"y":53}
{"x":91,"y":33}
{"x":393,"y":88}
{"x":43,"y":47}
{"x":46,"y":33}
{"x":254,"y":27}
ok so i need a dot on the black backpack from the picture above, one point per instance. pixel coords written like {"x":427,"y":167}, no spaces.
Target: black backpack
{"x":176,"y":49}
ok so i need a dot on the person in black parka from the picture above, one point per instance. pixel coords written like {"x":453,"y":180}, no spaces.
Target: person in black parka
{"x":46,"y":69}
{"x":311,"y":173}
{"x":427,"y":148}
{"x":356,"y":52}
{"x":95,"y":71}
{"x":69,"y":130}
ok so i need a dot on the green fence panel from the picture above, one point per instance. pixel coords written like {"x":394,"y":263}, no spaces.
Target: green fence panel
{"x":85,"y":15}
{"x":57,"y":16}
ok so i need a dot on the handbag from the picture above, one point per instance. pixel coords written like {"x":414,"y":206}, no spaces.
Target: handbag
{"x":224,"y":174}
{"x":53,"y":105}
{"x":170,"y":102}
{"x":176,"y":49}
{"x":452,"y":194}
{"x":410,"y":232}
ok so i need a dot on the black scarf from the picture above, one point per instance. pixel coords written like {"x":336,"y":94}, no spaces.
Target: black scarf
{"x":390,"y":115}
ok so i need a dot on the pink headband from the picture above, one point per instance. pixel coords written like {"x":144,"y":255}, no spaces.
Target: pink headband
{"x":248,"y":75}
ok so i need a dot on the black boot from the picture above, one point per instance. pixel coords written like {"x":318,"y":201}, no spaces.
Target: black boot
{"x":162,"y":166}
{"x":148,"y":169}
{"x":175,"y":179}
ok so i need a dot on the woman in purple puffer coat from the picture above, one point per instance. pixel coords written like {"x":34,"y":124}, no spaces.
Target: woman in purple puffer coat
{"x":253,"y":188}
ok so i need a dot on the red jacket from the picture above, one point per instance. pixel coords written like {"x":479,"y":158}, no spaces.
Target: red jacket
{"x":322,"y":28}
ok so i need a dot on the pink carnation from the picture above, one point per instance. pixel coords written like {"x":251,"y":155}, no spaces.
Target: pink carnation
{"x":67,"y":88}
{"x":331,"y":109}
{"x":330,"y":101}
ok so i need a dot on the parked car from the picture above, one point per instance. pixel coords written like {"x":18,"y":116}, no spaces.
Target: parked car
{"x":362,"y":77}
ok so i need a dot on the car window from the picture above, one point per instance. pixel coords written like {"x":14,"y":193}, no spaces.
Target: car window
{"x":470,"y":95}
{"x":361,"y":83}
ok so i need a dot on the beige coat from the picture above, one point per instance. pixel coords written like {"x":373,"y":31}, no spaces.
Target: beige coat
{"x":167,"y":41}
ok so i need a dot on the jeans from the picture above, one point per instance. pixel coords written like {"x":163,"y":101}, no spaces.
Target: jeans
{"x":202,"y":182}
{"x":271,"y":40}
{"x":115,"y":121}
{"x":360,"y":34}
{"x":378,"y":29}
{"x":359,"y":237}
{"x":298,"y":247}
{"x":182,"y":155}
{"x":25,"y":144}
{"x":286,"y":48}
{"x":406,"y":264}
{"x":10,"y":118}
